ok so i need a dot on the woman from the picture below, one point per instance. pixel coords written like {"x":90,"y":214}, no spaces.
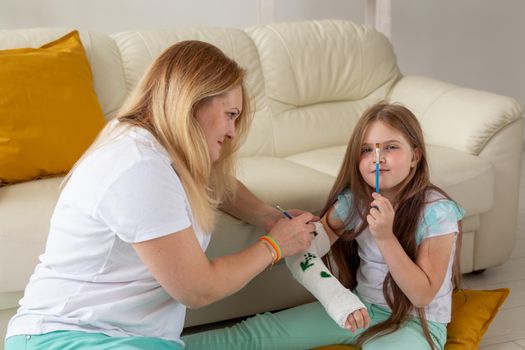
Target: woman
{"x":125,"y":252}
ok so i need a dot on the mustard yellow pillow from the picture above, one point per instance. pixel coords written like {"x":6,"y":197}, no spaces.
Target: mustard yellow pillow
{"x":472,"y":312}
{"x":49,"y":112}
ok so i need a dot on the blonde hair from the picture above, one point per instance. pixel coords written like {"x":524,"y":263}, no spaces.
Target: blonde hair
{"x":180,"y":80}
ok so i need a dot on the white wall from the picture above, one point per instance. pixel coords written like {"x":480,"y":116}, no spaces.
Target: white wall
{"x":117,"y":15}
{"x":111,"y":16}
{"x":475,"y":43}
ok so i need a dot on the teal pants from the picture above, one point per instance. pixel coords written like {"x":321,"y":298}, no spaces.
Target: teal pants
{"x":73,"y":340}
{"x":302,"y":327}
{"x":309,"y":326}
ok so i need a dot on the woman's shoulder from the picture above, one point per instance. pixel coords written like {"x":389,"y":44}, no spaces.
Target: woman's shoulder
{"x":132,"y":154}
{"x":133,"y":147}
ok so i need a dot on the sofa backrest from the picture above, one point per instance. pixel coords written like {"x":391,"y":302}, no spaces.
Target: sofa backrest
{"x":319,"y":77}
{"x":309,"y":81}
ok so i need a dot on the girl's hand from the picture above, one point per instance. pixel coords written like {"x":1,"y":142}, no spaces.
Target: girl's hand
{"x":380,"y":218}
{"x":357,"y":319}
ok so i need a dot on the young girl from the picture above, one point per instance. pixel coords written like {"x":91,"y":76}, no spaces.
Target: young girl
{"x":398,"y":250}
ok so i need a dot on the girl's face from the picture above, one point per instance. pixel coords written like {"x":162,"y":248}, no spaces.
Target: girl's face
{"x":217,"y":118}
{"x":396,"y":158}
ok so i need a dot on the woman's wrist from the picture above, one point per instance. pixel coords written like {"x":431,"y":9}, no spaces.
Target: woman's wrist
{"x":270,"y":250}
{"x":273,"y":246}
{"x":270,"y":218}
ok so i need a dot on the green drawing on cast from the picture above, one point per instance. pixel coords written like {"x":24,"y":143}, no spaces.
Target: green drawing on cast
{"x":306,"y":263}
{"x":325,"y":274}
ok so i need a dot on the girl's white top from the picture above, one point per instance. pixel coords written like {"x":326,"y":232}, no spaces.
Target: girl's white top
{"x":90,"y":278}
{"x":440,"y":217}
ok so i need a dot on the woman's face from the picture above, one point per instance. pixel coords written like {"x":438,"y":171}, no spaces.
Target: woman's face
{"x":217,"y":118}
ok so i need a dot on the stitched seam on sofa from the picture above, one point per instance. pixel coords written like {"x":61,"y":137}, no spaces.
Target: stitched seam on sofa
{"x":91,"y":61}
{"x":476,"y":150}
{"x":123,"y":71}
{"x":289,"y":64}
{"x":388,"y":94}
{"x":265,"y":93}
{"x":121,"y":68}
{"x":230,"y":42}
{"x":396,"y":81}
{"x":128,"y":80}
{"x":361,"y":79}
{"x":424,"y":114}
{"x":89,"y":54}
{"x":492,"y":135}
{"x":145,"y":45}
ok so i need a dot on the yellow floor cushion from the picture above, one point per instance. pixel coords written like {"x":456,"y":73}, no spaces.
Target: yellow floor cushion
{"x":472,"y":312}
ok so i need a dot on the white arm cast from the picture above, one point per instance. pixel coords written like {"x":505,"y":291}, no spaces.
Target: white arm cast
{"x":312,"y":273}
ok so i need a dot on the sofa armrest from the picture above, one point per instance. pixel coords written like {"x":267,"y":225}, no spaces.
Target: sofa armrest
{"x":453,"y":116}
{"x":485,"y":125}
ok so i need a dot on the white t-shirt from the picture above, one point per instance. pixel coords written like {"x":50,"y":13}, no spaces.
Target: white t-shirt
{"x":90,"y":278}
{"x":440,"y":217}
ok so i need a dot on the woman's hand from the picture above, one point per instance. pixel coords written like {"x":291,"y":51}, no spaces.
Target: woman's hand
{"x":357,"y":319}
{"x":380,"y":218}
{"x":293,"y":235}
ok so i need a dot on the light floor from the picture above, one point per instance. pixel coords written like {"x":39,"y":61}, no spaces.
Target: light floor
{"x":507,"y":331}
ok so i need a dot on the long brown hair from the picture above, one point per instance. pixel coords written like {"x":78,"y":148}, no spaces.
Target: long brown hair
{"x":184,"y":77}
{"x":409,"y":203}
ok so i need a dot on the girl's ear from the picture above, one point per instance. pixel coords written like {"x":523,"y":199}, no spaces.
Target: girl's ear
{"x":416,"y":156}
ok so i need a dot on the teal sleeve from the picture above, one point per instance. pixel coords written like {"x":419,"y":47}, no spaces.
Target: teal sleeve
{"x":439,"y":217}
{"x":342,"y":208}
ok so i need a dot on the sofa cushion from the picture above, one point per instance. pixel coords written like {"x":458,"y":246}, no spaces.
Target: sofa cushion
{"x":317,"y":61}
{"x":467,"y":178}
{"x":460,"y":174}
{"x":319,"y":77}
{"x":25,"y":212}
{"x":47,"y":102}
{"x":279,"y":181}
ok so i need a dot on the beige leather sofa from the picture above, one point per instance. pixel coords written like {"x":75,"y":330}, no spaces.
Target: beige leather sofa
{"x":310,"y":82}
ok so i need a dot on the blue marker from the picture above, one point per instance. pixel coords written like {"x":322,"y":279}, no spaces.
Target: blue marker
{"x":377,"y":167}
{"x":284,"y":212}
